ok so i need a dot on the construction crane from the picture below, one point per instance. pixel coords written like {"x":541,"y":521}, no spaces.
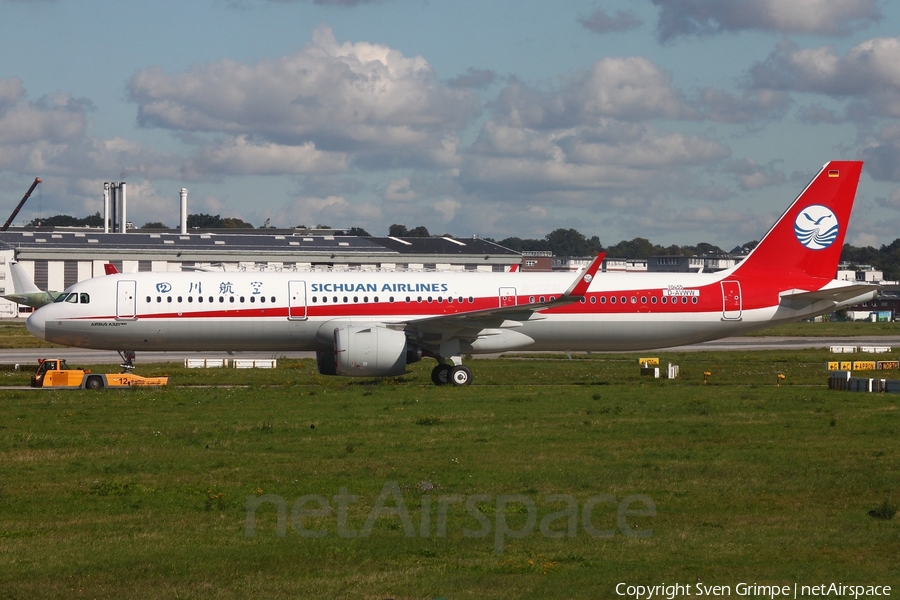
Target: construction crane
{"x":9,"y":221}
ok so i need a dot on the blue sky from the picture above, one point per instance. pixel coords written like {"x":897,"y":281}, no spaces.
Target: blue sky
{"x":676,"y":120}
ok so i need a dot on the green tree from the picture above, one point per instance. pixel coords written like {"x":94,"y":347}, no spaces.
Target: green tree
{"x":234,"y":223}
{"x":569,"y":242}
{"x":94,"y":220}
{"x":204,"y":221}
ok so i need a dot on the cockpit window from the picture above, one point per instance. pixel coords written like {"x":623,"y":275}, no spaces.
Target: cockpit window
{"x":61,"y":298}
{"x":73,"y":298}
{"x":85,"y":298}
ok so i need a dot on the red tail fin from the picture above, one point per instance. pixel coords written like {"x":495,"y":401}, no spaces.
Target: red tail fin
{"x":808,"y":238}
{"x":110,"y":269}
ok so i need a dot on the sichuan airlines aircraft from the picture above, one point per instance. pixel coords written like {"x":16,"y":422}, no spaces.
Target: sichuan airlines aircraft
{"x":375,"y":323}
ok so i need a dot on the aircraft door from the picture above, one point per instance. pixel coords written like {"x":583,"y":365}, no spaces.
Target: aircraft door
{"x":507,"y":297}
{"x":731,"y":300}
{"x":297,"y":300}
{"x":126,"y":292}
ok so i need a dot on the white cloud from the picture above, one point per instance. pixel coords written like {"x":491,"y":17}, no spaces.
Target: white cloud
{"x":446,"y":208}
{"x":750,"y":175}
{"x":630,"y":88}
{"x":612,"y":155}
{"x":706,"y":17}
{"x":352,"y":97}
{"x":601,"y":22}
{"x":869,"y":71}
{"x":240,"y":156}
{"x":863,"y":240}
{"x":335,"y":211}
{"x":399,"y":190}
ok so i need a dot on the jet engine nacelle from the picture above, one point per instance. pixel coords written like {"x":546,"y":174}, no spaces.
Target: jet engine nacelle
{"x":372,"y":351}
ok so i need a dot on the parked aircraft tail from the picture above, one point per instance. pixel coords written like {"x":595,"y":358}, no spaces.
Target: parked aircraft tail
{"x":22,"y":284}
{"x":808,"y":238}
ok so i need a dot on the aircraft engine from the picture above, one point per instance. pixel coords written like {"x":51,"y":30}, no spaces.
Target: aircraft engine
{"x":372,"y":351}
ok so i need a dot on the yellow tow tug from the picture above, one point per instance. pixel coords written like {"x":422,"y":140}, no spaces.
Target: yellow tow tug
{"x":55,"y":373}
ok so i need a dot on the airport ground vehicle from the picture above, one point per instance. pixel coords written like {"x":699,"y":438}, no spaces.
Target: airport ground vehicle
{"x":55,"y":373}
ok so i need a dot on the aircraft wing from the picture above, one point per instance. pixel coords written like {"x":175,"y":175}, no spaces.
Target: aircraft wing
{"x":469,"y":324}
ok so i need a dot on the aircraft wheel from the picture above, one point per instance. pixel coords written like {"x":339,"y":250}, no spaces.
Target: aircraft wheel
{"x":460,"y":375}
{"x":440,"y":375}
{"x":94,"y":383}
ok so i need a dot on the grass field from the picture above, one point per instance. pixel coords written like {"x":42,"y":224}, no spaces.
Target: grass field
{"x":14,"y":335}
{"x":144,"y":493}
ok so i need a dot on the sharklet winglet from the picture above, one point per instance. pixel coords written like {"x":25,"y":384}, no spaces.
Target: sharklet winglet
{"x":580,"y":286}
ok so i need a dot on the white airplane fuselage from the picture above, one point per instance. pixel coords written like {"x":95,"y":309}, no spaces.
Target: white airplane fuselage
{"x":299,"y":311}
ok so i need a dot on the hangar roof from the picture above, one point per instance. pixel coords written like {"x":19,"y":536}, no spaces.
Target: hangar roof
{"x":88,"y":243}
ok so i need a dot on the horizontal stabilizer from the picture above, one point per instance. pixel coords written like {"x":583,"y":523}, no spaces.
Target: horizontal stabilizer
{"x":839,"y":294}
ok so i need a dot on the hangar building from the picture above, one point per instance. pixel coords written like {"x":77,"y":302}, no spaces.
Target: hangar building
{"x":59,"y":257}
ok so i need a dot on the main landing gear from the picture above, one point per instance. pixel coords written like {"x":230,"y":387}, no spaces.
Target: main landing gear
{"x":445,"y":373}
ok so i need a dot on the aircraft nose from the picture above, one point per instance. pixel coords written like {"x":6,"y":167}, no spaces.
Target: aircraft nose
{"x":36,"y":324}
